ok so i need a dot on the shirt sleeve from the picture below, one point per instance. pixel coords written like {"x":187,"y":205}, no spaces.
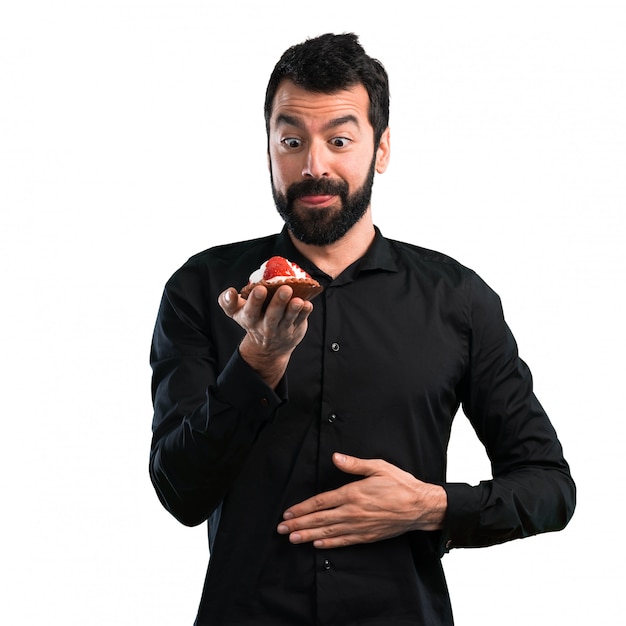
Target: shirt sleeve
{"x":532,"y":490}
{"x":205,"y":420}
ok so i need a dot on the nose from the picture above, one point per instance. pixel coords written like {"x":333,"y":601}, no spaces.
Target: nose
{"x":315,"y":165}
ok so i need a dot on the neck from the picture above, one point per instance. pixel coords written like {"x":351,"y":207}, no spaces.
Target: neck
{"x":336,"y":257}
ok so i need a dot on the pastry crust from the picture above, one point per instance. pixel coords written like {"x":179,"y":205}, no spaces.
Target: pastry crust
{"x":305,"y":288}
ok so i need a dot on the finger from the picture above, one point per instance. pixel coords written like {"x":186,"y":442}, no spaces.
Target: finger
{"x":356,"y":466}
{"x":324,"y":535}
{"x":312,"y":527}
{"x":338,"y":542}
{"x":301,"y":313}
{"x":229,"y":301}
{"x":253,"y":308}
{"x":277,"y":306}
{"x":334,"y":535}
{"x":345,"y":537}
{"x":296,"y":312}
{"x":321,"y":502}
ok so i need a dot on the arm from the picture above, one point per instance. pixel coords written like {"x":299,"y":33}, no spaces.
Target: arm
{"x":386,"y":502}
{"x":531,"y":490}
{"x":205,"y":420}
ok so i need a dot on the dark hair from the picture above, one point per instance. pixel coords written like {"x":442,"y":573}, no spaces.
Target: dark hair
{"x":327,"y":64}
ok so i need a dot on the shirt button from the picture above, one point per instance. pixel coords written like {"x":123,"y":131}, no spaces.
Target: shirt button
{"x":449,"y":544}
{"x":334,"y":346}
{"x":327,"y":565}
{"x":332,"y":417}
{"x":264,"y":402}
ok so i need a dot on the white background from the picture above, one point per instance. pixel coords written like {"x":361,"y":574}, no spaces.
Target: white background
{"x":132,"y":136}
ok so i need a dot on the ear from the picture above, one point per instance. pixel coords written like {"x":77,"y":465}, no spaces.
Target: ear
{"x":382,"y":153}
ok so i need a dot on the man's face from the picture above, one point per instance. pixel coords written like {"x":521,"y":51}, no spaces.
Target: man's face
{"x":322,"y":160}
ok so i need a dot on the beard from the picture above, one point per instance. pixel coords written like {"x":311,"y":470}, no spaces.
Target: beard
{"x":323,"y":226}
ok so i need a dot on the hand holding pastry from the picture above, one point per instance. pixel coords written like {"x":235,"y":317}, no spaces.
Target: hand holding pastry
{"x":274,"y":326}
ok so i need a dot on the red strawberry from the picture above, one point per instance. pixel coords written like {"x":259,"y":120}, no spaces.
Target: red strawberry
{"x":277,"y":266}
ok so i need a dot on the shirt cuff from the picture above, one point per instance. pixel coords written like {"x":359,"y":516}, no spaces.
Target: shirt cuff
{"x":240,"y":386}
{"x":462,"y":515}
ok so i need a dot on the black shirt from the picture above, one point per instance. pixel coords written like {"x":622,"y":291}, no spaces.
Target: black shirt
{"x":395,"y":345}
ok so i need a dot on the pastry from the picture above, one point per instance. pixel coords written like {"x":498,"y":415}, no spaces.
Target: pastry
{"x":278,"y":271}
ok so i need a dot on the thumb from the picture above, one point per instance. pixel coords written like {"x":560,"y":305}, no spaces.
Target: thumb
{"x":228,"y":300}
{"x":353,"y":465}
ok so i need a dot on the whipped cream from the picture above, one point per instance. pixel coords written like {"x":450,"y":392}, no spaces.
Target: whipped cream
{"x":257,"y":275}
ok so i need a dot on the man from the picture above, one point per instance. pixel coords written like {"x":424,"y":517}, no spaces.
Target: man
{"x":313,"y":436}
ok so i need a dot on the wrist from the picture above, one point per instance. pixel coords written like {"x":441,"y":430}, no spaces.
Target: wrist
{"x":269,"y":366}
{"x":439,"y":506}
{"x":432,"y":506}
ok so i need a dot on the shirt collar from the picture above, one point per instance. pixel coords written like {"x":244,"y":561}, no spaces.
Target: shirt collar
{"x":379,"y":257}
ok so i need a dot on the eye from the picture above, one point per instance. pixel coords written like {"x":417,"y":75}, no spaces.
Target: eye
{"x":291,"y":142}
{"x":339,"y":142}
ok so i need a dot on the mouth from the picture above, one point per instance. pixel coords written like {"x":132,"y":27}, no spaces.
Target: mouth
{"x":319,"y":201}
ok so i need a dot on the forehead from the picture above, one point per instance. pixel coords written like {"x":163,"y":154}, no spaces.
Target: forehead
{"x":295,"y":101}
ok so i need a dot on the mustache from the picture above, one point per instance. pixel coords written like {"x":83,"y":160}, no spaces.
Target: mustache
{"x":317,"y":187}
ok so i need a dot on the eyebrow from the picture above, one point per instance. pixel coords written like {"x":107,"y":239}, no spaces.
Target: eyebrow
{"x":291,"y":120}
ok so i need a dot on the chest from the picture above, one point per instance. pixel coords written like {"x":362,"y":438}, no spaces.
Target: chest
{"x":382,"y":340}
